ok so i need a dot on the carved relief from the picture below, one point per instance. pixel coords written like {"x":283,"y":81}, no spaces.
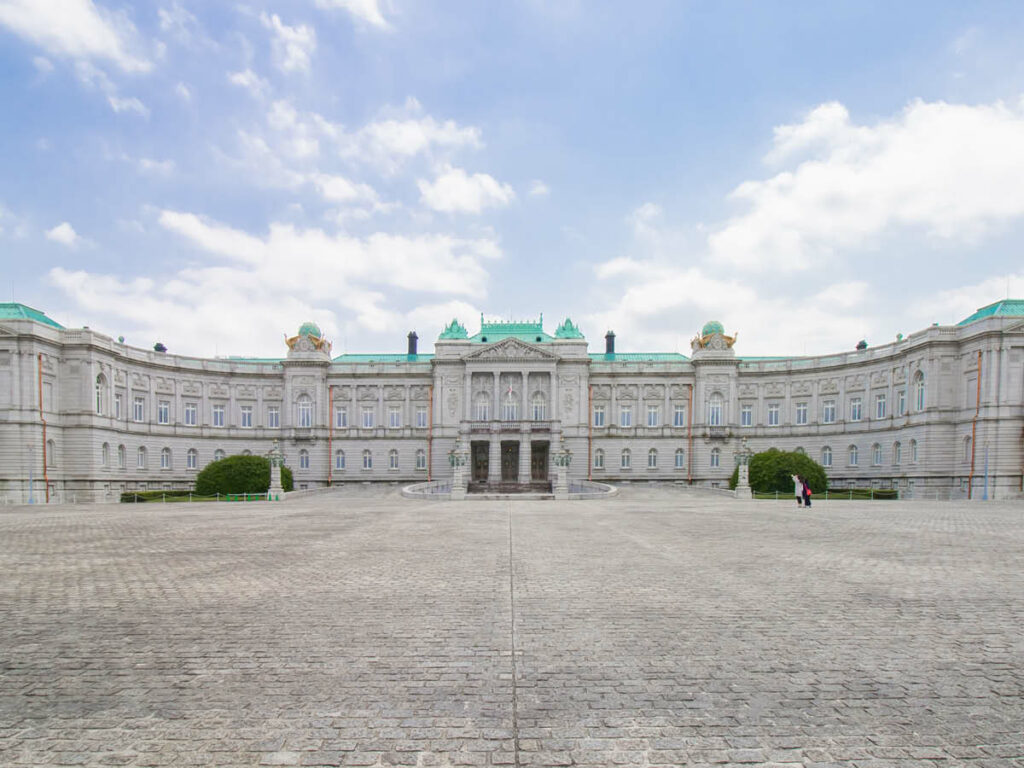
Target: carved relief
{"x":419,"y":393}
{"x":829,"y":387}
{"x":802,"y":388}
{"x":246,"y":392}
{"x":854,"y":383}
{"x":272,"y":393}
{"x":139,"y":381}
{"x":394,"y":392}
{"x":627,"y":391}
{"x":654,"y":391}
{"x":879,"y":379}
{"x":679,"y":392}
{"x":748,"y":390}
{"x":602,"y":392}
{"x":366,"y":392}
{"x":119,"y":378}
{"x":343,"y":393}
{"x":164,"y":385}
{"x":453,"y":402}
{"x":775,"y":389}
{"x":510,"y":349}
{"x":569,"y":403}
{"x":898,"y":375}
{"x":192,"y":388}
{"x":218,"y":390}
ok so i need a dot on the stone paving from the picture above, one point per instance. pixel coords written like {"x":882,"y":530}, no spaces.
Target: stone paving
{"x":659,"y":628}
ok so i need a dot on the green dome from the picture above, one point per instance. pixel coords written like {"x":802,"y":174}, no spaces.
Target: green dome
{"x":310,"y":329}
{"x":712,"y":326}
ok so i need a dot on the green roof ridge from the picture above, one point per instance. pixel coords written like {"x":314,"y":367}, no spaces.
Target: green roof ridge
{"x":13,"y":310}
{"x":1001,"y":308}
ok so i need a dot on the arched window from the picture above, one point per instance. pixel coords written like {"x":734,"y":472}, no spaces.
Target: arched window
{"x":913,"y":451}
{"x":826,"y":456}
{"x":482,"y":407}
{"x":339,"y":459}
{"x":218,"y":454}
{"x":680,"y":458}
{"x":919,"y":393}
{"x":105,"y":455}
{"x":51,"y":453}
{"x":652,"y":459}
{"x":967,"y":448}
{"x":716,"y":457}
{"x":715,"y":415}
{"x":539,"y":407}
{"x":165,"y":458}
{"x":192,"y":459}
{"x":247,"y":452}
{"x":141,"y":458}
{"x":367,"y":460}
{"x":800,"y":449}
{"x":303,"y":459}
{"x":304,"y":411}
{"x":599,"y":459}
{"x":101,"y":393}
{"x":853,"y":456}
{"x":121,"y":457}
{"x":421,"y":459}
{"x":627,"y":458}
{"x":392,"y":459}
{"x":897,"y":453}
{"x":876,"y":454}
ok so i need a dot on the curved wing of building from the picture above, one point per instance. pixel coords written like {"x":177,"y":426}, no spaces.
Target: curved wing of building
{"x":938,"y":414}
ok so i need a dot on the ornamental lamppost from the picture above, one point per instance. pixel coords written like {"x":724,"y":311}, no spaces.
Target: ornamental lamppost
{"x":743,"y":456}
{"x":562,"y":460}
{"x":276,"y":457}
{"x":457,"y":460}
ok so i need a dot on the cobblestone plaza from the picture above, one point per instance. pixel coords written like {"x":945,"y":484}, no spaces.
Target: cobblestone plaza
{"x":658,"y":628}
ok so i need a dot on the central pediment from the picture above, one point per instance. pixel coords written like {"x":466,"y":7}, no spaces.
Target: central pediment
{"x":510,"y":349}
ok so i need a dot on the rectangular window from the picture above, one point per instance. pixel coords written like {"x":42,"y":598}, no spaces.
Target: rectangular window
{"x":901,"y":402}
{"x":599,"y":459}
{"x":246,"y":415}
{"x":421,"y":419}
{"x":652,"y":459}
{"x":828,"y":412}
{"x":626,"y":416}
{"x":679,"y":416}
{"x":855,"y":409}
{"x":483,"y":411}
{"x":218,"y":415}
{"x":141,"y":461}
{"x":509,"y":412}
{"x":653,"y":416}
{"x":598,"y":415}
{"x":421,"y":460}
{"x":303,"y":460}
{"x":367,"y":418}
{"x":539,"y":411}
{"x":273,"y":417}
{"x":191,"y":414}
{"x":680,"y":459}
{"x":341,"y":418}
{"x":367,"y":460}
{"x":394,"y":417}
{"x":879,"y":406}
{"x":801,"y":413}
{"x":746,"y":415}
{"x":117,"y":406}
{"x":393,"y":460}
{"x":715,"y":413}
{"x":305,"y":413}
{"x":139,"y":409}
{"x":165,"y":459}
{"x":163,"y":412}
{"x":191,"y":458}
{"x":627,"y":459}
{"x":773,"y":414}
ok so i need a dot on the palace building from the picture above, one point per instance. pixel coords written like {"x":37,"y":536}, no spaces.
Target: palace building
{"x":938,"y":414}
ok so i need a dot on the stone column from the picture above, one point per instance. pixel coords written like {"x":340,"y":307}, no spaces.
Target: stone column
{"x":276,"y":491}
{"x":496,"y":405}
{"x":494,"y":459}
{"x":524,"y":413}
{"x":524,"y":456}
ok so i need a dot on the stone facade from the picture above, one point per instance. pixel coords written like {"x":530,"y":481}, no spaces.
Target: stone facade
{"x":907,"y":415}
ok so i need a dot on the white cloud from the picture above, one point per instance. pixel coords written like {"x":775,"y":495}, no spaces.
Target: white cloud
{"x":365,"y":10}
{"x":64,"y":234}
{"x":42,"y":64}
{"x":950,"y":171}
{"x":249,"y":288}
{"x":539,"y":189}
{"x":293,"y":46}
{"x":120,"y":104}
{"x":455,"y":191}
{"x":183,"y":92}
{"x":157,"y":167}
{"x":252,"y":82}
{"x":75,"y":29}
{"x":952,"y":306}
{"x":178,"y":21}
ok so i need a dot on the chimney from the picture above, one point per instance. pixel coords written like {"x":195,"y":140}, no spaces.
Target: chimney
{"x":609,"y":343}
{"x":412,"y":342}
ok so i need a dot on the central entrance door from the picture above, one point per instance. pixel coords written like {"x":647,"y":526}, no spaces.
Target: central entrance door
{"x":539,"y":460}
{"x":480,"y":460}
{"x":509,"y":461}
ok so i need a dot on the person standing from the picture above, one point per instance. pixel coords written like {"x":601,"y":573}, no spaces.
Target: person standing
{"x":805,"y":486}
{"x":798,"y":489}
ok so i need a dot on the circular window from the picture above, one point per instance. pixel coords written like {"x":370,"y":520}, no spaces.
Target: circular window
{"x":483,"y":338}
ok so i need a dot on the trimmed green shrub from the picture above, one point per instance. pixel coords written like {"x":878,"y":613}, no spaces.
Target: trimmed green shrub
{"x":143,"y":497}
{"x":772,"y":470}
{"x":239,"y":474}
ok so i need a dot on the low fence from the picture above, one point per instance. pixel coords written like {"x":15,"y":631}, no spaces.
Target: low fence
{"x":839,"y":494}
{"x":437,"y":490}
{"x":165,"y":497}
{"x":591,"y":489}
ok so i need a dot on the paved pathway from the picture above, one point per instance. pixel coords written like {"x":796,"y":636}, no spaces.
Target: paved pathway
{"x":654,"y":629}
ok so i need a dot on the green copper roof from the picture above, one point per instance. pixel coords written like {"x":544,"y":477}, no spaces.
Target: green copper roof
{"x":14,"y":311}
{"x":638,"y":357}
{"x":310,"y":329}
{"x":712,"y":326}
{"x":568,"y":330}
{"x":454,"y":330}
{"x":372,"y":357}
{"x":528,"y":330}
{"x":1004,"y":308}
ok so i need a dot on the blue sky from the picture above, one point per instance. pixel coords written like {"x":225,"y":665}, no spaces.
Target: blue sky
{"x":210,"y":175}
